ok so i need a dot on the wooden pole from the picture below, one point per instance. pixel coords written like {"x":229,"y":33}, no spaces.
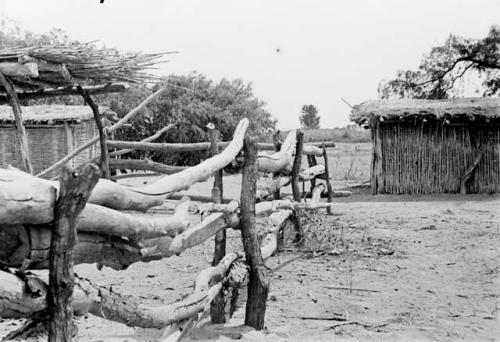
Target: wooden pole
{"x":103,"y":163}
{"x":74,"y":191}
{"x":327,"y":179}
{"x":258,"y":286}
{"x":297,"y":163}
{"x":218,"y":304}
{"x":277,"y":147}
{"x":21,"y":132}
{"x":111,"y":129}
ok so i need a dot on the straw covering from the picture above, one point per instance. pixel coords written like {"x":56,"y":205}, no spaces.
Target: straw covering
{"x":48,"y":67}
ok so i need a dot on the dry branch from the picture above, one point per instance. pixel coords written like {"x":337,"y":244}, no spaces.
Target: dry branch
{"x":202,"y":171}
{"x":279,"y":161}
{"x":144,"y":165}
{"x":312,"y":172}
{"x":148,"y":139}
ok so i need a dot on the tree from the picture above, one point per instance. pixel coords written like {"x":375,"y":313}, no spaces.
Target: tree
{"x":309,"y":118}
{"x":191,"y":102}
{"x":454,"y":69}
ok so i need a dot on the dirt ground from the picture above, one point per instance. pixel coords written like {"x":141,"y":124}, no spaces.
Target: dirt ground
{"x":409,"y":268}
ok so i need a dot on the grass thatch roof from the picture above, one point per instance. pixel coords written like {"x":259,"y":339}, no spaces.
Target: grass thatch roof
{"x":50,"y":115}
{"x":462,"y":109}
{"x":51,"y":67}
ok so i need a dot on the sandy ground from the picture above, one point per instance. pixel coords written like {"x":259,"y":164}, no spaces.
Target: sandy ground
{"x":431,"y":266}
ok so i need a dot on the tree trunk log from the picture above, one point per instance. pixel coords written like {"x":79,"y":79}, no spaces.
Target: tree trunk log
{"x":327,"y":178}
{"x":258,"y":286}
{"x":267,"y":189}
{"x":297,"y":163}
{"x":202,"y":171}
{"x":144,"y":165}
{"x":312,"y":172}
{"x":75,"y":189}
{"x":218,"y":305}
{"x":281,"y":161}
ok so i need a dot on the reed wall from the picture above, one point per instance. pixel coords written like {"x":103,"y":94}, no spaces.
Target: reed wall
{"x":430,"y":157}
{"x":47,"y":144}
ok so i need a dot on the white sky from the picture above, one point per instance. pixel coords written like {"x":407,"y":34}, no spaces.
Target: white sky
{"x":328,"y":49}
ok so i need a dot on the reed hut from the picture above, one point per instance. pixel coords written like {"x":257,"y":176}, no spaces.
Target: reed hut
{"x":52,"y":132}
{"x":433,"y":146}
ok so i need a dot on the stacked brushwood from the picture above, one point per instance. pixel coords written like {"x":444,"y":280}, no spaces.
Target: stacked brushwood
{"x":35,"y":69}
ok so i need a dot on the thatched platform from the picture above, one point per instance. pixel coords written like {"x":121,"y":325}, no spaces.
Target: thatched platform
{"x":433,"y":146}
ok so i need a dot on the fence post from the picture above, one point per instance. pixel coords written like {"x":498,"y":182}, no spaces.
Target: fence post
{"x":75,"y":189}
{"x":297,"y":163}
{"x":218,"y":305}
{"x":277,"y":148}
{"x":258,"y":286}
{"x":104,"y":165}
{"x":21,"y":132}
{"x":327,"y":179}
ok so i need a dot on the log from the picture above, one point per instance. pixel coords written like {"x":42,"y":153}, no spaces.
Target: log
{"x":105,"y":221}
{"x":95,"y":139}
{"x":202,"y":171}
{"x":164,"y":147}
{"x":281,"y":161}
{"x":92,"y":90}
{"x":19,"y":300}
{"x":74,"y":191}
{"x":327,"y":178}
{"x":21,"y":132}
{"x":18,"y":69}
{"x":297,"y":163}
{"x":103,"y":162}
{"x":312,"y":148}
{"x":144,"y":165}
{"x":317,"y":191}
{"x":269,"y":188}
{"x":312,"y":172}
{"x":218,"y":305}
{"x":258,"y":286}
{"x":202,"y":231}
{"x":26,"y":201}
{"x":105,"y":193}
{"x":148,"y":139}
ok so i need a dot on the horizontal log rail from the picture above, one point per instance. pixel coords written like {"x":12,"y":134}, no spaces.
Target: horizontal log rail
{"x":309,"y":148}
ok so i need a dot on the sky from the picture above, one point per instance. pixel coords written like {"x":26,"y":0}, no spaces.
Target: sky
{"x":294,"y":52}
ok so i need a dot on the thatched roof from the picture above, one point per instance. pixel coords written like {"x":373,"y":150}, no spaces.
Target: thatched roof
{"x":463,"y":109}
{"x":32,"y":69}
{"x":50,"y":115}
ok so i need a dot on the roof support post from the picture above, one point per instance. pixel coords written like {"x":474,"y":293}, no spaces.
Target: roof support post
{"x":21,"y":132}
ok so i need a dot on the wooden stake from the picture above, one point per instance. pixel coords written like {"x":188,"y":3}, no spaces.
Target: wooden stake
{"x":327,"y":179}
{"x":258,"y":286}
{"x":297,"y":163}
{"x":277,"y":147}
{"x":74,"y":192}
{"x":218,"y":304}
{"x":21,"y":132}
{"x":103,"y":163}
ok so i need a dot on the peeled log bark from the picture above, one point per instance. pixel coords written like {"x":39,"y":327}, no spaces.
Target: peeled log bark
{"x":26,"y":201}
{"x":186,"y":178}
{"x":105,"y":193}
{"x":281,"y":161}
{"x":267,"y":189}
{"x":105,"y":221}
{"x":312,"y":172}
{"x":19,"y":299}
{"x":144,"y":165}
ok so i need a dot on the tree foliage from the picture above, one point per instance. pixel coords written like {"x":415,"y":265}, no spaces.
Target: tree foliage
{"x":459,"y":66}
{"x":191,"y":102}
{"x":309,"y":117}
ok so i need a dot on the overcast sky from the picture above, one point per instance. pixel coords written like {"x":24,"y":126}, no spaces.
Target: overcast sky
{"x":295,"y":52}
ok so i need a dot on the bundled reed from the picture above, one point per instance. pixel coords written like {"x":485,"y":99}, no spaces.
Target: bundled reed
{"x":83,"y":64}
